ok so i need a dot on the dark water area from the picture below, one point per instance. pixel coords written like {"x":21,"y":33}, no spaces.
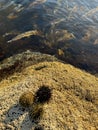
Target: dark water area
{"x":67,"y":29}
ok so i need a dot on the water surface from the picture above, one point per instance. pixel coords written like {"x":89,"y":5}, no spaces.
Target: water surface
{"x":68,"y":29}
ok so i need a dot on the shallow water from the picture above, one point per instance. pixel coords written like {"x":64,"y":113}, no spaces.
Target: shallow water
{"x":67,"y":26}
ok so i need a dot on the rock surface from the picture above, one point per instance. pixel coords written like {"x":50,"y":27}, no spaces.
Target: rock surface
{"x":22,"y":60}
{"x":74,"y":101}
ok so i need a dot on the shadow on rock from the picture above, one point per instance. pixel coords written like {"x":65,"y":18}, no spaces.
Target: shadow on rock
{"x":14,"y":113}
{"x":18,"y":117}
{"x":26,"y":123}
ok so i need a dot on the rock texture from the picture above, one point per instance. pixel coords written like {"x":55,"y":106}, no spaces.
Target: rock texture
{"x":74,"y":101}
{"x":17,"y":62}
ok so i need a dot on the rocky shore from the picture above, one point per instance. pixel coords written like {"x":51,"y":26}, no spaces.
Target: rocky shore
{"x":74,"y":101}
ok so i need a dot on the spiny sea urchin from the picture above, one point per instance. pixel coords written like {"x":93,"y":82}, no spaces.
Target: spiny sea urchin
{"x":35,"y":112}
{"x":43,"y":94}
{"x":26,"y":99}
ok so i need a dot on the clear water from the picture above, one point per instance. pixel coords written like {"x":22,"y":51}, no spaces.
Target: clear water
{"x":55,"y":19}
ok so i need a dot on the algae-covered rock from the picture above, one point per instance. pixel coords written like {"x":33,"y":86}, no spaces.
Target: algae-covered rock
{"x":72,"y":106}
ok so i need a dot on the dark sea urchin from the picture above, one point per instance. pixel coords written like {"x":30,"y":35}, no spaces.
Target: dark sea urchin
{"x":43,"y":94}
